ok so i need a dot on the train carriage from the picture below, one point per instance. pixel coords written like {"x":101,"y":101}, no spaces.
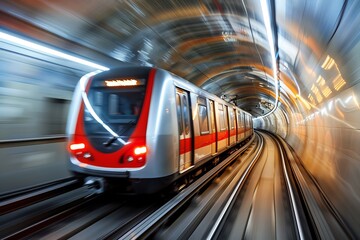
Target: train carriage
{"x":142,"y":128}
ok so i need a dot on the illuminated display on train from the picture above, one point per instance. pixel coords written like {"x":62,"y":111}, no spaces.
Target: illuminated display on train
{"x":122,"y":82}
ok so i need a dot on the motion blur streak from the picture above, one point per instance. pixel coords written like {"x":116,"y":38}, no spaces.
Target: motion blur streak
{"x":265,"y":11}
{"x":37,"y":47}
{"x":221,"y":46}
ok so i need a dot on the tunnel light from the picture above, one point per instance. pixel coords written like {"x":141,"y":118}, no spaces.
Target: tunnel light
{"x":348,"y":99}
{"x":330,"y":105}
{"x":293,"y":77}
{"x":265,"y":11}
{"x":47,"y":50}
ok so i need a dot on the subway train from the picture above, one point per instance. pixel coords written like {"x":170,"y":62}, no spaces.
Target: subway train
{"x":142,"y":129}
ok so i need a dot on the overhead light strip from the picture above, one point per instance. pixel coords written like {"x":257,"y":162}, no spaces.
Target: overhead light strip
{"x":266,"y":11}
{"x":47,"y":50}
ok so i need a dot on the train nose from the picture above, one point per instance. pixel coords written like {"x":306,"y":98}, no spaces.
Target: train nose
{"x":97,"y":184}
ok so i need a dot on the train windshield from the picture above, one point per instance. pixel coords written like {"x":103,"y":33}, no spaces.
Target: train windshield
{"x":112,"y":112}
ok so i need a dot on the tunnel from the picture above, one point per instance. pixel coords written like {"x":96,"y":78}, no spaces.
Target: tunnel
{"x":293,"y":65}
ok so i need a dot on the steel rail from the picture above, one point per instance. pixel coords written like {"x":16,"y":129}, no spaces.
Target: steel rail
{"x":23,"y":191}
{"x":155,"y":220}
{"x":35,"y":139}
{"x":317,"y":209}
{"x":293,"y":203}
{"x":235,"y":192}
{"x":10,"y":204}
{"x":60,"y":213}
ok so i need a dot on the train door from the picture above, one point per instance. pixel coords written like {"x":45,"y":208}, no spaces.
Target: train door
{"x":239,"y":126}
{"x":246,"y":125}
{"x":228,"y":125}
{"x":185,"y":135}
{"x":222,"y":131}
{"x":235,"y":125}
{"x":213,"y":128}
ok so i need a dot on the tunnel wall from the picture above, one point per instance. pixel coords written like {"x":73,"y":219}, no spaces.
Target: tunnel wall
{"x":34,"y":99}
{"x":324,"y":126}
{"x":326,"y":139}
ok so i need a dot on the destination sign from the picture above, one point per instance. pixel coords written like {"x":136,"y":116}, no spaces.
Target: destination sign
{"x":122,"y":82}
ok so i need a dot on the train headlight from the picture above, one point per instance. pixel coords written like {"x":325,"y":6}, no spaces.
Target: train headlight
{"x":136,"y":154}
{"x":77,"y":149}
{"x":140,"y":150}
{"x":77,"y":146}
{"x":139,"y":154}
{"x":80,"y":151}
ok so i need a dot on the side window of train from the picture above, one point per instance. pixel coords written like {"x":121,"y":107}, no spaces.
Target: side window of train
{"x":203,"y":116}
{"x":186,"y":114}
{"x":226,"y":115}
{"x":222,"y":117}
{"x":232,"y":119}
{"x":243,"y":120}
{"x":179,"y":115}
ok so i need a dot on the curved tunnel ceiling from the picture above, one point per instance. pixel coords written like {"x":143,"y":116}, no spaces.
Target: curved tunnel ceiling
{"x":221,"y":46}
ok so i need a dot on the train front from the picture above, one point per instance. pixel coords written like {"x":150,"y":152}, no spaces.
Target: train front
{"x":107,"y":123}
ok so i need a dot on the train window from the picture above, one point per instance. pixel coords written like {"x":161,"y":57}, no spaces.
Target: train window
{"x":239,"y":119}
{"x":243,"y":120}
{"x":203,"y":118}
{"x":232,"y":120}
{"x":212,"y":116}
{"x":179,"y":115}
{"x":123,"y":104}
{"x":222,"y":118}
{"x":98,"y":98}
{"x":226,"y":116}
{"x":186,"y":115}
{"x":118,"y":108}
{"x":112,"y":111}
{"x":113,"y":104}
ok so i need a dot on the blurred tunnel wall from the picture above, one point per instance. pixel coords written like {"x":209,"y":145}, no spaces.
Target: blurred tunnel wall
{"x":30,"y":106}
{"x":35,"y":94}
{"x":324,"y":119}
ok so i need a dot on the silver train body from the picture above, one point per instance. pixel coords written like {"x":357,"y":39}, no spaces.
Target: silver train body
{"x":143,"y":128}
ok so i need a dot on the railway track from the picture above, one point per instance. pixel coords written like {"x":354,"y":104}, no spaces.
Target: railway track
{"x":78,"y":214}
{"x":267,"y":195}
{"x":266,"y":207}
{"x":260,"y":191}
{"x":64,"y":209}
{"x":12,"y":201}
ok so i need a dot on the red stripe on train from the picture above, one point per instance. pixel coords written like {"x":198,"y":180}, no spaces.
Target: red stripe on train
{"x":185,"y":145}
{"x":203,"y":140}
